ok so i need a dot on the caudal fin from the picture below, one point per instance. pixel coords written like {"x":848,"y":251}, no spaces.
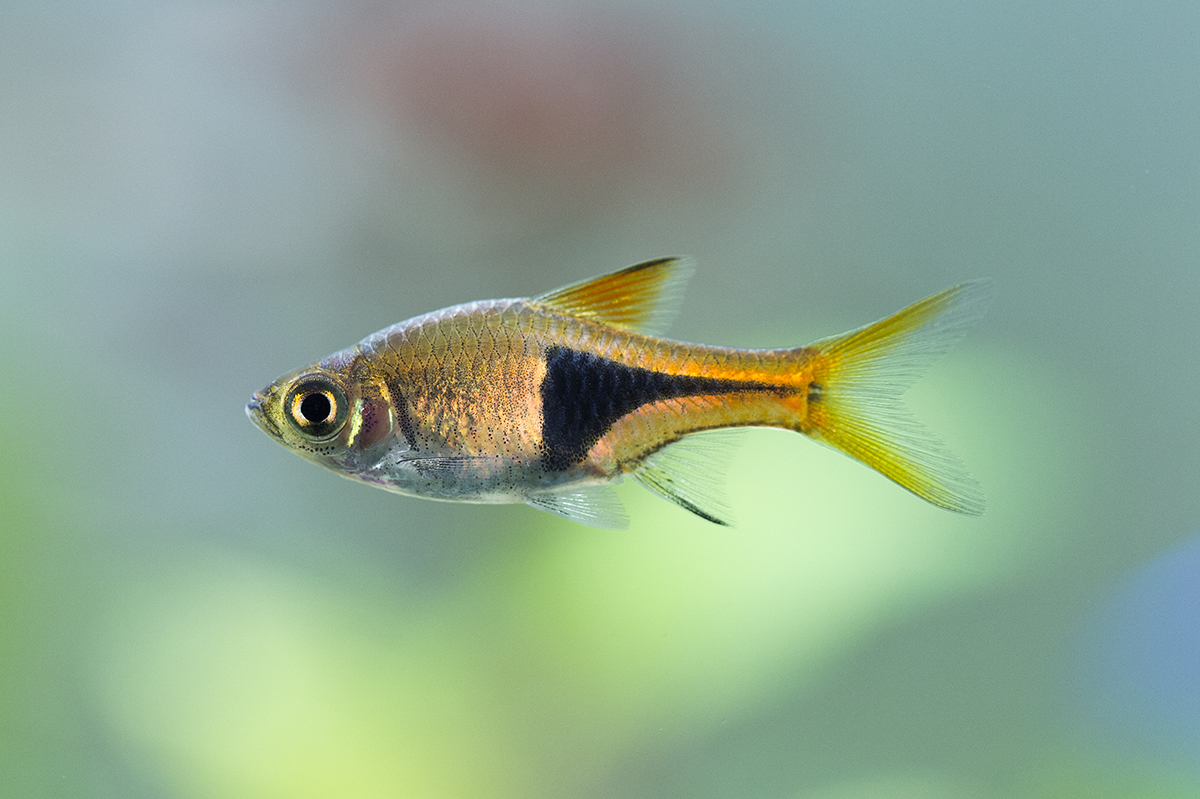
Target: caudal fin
{"x":857,"y":408}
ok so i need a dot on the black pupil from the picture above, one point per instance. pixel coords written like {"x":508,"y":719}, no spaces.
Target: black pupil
{"x":315,"y":408}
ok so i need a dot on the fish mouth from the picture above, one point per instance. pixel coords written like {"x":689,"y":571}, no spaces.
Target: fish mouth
{"x":254,"y":409}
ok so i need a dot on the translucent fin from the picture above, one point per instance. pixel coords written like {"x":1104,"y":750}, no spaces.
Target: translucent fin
{"x":595,"y":506}
{"x":451,"y":466}
{"x":643,"y":298}
{"x":858,"y":408}
{"x":691,"y":473}
{"x":457,"y":468}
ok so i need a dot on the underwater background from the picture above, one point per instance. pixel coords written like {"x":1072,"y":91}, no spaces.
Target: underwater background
{"x":197,"y":197}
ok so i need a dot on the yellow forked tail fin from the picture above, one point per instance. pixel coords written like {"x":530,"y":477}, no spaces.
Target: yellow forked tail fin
{"x":856,"y":405}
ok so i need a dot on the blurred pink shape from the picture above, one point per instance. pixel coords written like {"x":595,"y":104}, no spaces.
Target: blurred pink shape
{"x":550,"y":100}
{"x":569,"y":103}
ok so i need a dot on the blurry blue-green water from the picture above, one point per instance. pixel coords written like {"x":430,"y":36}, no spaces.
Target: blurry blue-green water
{"x":197,"y":198}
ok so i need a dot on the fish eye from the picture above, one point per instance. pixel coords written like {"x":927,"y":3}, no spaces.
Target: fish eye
{"x":316,"y":407}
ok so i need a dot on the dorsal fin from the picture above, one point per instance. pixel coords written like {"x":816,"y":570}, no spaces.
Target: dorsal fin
{"x":643,"y":298}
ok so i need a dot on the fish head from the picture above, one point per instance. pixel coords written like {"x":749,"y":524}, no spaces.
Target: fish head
{"x":334,"y":413}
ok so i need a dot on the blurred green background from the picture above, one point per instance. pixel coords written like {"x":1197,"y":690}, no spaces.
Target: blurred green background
{"x":197,"y":197}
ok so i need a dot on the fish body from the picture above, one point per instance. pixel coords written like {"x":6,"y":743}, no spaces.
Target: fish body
{"x":550,"y":400}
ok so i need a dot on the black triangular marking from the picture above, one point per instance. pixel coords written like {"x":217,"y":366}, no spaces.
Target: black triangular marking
{"x":584,"y":394}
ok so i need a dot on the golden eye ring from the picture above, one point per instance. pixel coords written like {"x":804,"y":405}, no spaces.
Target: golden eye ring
{"x":316,"y":407}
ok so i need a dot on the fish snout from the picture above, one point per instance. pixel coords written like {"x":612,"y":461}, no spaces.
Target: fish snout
{"x":258,"y":415}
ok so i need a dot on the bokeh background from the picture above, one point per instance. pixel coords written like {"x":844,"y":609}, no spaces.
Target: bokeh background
{"x":197,"y":197}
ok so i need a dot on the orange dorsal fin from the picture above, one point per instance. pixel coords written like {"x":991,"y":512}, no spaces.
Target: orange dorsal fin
{"x":642,"y":298}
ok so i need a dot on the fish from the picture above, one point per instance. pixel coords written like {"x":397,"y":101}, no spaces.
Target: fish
{"x":551,"y":400}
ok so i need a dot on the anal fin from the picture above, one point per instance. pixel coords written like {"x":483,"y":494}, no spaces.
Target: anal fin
{"x":691,"y":473}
